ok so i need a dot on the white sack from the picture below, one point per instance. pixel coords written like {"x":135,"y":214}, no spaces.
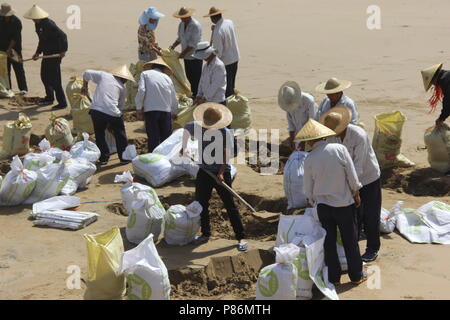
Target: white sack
{"x":17,"y":185}
{"x":182,"y":223}
{"x":293,"y":180}
{"x":85,"y":149}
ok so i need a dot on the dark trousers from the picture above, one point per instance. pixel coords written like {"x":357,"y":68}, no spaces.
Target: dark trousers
{"x":343,"y":218}
{"x":204,"y":185}
{"x":369,"y":214}
{"x":158,"y":125}
{"x":51,"y":78}
{"x":20,"y":74}
{"x":193,"y":70}
{"x":231,"y":78}
{"x":101,"y":122}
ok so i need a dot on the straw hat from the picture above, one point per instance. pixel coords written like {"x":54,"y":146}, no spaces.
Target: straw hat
{"x":123,"y":72}
{"x":6,"y":10}
{"x":337,"y":118}
{"x":203,"y":50}
{"x":213,"y":115}
{"x":428,"y":75}
{"x":333,"y":85}
{"x":289,"y":96}
{"x":158,"y":61}
{"x":213,"y":11}
{"x":184,"y":13}
{"x":313,"y":130}
{"x":35,"y":13}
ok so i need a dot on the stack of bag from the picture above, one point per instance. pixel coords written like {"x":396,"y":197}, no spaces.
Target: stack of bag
{"x":17,"y":185}
{"x":16,"y":137}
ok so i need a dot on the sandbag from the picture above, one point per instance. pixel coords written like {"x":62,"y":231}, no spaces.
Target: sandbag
{"x":104,"y":281}
{"x":185,"y":111}
{"x":304,"y":283}
{"x":82,"y":121}
{"x":16,"y":137}
{"x":182,"y":223}
{"x":387,"y":140}
{"x":178,"y":75}
{"x":156,"y":169}
{"x":58,"y":133}
{"x":238,"y":105}
{"x":46,"y":148}
{"x":111,"y":141}
{"x":130,"y":189}
{"x":73,"y":87}
{"x":18,"y":184}
{"x":81,"y":172}
{"x":132,"y":87}
{"x":5,"y":86}
{"x":388,"y":218}
{"x":437,"y":140}
{"x":291,"y":227}
{"x":36,"y":161}
{"x":85,"y":149}
{"x":146,"y":275}
{"x":293,"y":180}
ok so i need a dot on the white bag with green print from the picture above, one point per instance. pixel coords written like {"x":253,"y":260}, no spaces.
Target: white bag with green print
{"x":146,"y":274}
{"x":156,"y":169}
{"x":129,"y":189}
{"x":305,"y":283}
{"x":81,"y":172}
{"x":182,"y":223}
{"x":36,"y":161}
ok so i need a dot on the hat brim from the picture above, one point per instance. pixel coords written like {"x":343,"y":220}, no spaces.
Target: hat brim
{"x":298,"y":93}
{"x":346,"y":118}
{"x":158,"y":63}
{"x":190,"y":13}
{"x":227,"y":115}
{"x":344,"y":84}
{"x":427,"y":84}
{"x":316,"y":138}
{"x":202,"y":55}
{"x":214,"y":14}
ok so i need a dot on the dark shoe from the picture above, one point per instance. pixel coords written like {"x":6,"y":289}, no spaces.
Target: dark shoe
{"x":123,"y":162}
{"x":45,"y":102}
{"x":102,"y":162}
{"x":59,"y":107}
{"x":363,"y":278}
{"x":369,"y":256}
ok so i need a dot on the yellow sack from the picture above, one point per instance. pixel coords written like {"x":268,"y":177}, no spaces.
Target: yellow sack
{"x":238,"y":105}
{"x":73,"y":87}
{"x":437,"y":140}
{"x":58,"y":133}
{"x":178,"y":76}
{"x":104,"y":257}
{"x":82,"y":121}
{"x":132,"y":87}
{"x":16,"y":137}
{"x":387,"y":140}
{"x":5,"y":86}
{"x":185,"y":111}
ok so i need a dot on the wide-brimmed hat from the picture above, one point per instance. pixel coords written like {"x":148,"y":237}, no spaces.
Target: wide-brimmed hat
{"x":337,"y":118}
{"x":333,"y":85}
{"x":123,"y":72}
{"x":6,"y":10}
{"x":184,"y":13}
{"x":203,"y":50}
{"x":289,"y":96}
{"x":213,"y":115}
{"x":150,"y":13}
{"x":158,"y":61}
{"x":36,"y":12}
{"x":213,"y":11}
{"x":428,"y":75}
{"x":313,"y":130}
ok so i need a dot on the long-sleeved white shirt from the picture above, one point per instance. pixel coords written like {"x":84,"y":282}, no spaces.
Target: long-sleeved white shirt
{"x":306,"y":110}
{"x":360,"y":148}
{"x":344,"y":101}
{"x":156,"y":92}
{"x":109,"y":96}
{"x":189,"y":37}
{"x":330,"y":177}
{"x":224,"y":40}
{"x":213,"y":81}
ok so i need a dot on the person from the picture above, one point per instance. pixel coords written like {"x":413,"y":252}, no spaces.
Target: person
{"x":358,"y":144}
{"x":52,"y":40}
{"x":105,"y":111}
{"x":334,"y":88}
{"x":148,"y":47}
{"x":210,"y":129}
{"x":156,"y":102}
{"x":299,"y":106}
{"x":224,"y":40}
{"x":10,"y":41}
{"x":213,"y":80}
{"x":331,"y":183}
{"x":189,"y":35}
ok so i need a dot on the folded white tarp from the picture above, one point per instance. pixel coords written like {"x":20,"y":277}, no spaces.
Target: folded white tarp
{"x":55,"y":203}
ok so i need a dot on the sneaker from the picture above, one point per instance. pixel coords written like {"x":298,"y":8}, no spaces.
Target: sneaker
{"x":59,"y":107}
{"x":363,"y":279}
{"x":22,"y":92}
{"x":369,"y":256}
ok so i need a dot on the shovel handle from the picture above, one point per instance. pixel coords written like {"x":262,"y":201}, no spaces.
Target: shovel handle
{"x":56,"y":55}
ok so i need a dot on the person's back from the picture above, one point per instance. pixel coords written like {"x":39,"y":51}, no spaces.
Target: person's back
{"x":51,"y":38}
{"x":159,"y":91}
{"x":225,"y":41}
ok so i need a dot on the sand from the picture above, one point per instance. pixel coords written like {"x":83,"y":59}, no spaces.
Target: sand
{"x":290,"y":40}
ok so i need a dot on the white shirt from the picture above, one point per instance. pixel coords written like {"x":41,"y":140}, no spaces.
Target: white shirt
{"x":330,"y":177}
{"x":345,"y":101}
{"x":189,"y":37}
{"x":109,"y":96}
{"x":156,"y":92}
{"x":213,"y":81}
{"x":360,"y":148}
{"x":225,"y":42}
{"x":306,"y":110}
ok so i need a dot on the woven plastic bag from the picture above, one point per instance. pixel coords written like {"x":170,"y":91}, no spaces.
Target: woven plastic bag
{"x":182,"y":223}
{"x":178,"y":75}
{"x":85,"y":149}
{"x":185,"y":111}
{"x":82,"y":121}
{"x":5,"y":86}
{"x":58,"y":133}
{"x":293,"y":180}
{"x":17,"y":185}
{"x":16,"y":137}
{"x":238,"y":105}
{"x":437,"y":140}
{"x":130,"y":189}
{"x":73,"y":87}
{"x":132,"y":87}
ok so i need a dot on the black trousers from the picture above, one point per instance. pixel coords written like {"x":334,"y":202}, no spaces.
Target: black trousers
{"x":204,"y":185}
{"x":51,"y":78}
{"x":231,"y":78}
{"x":20,"y":74}
{"x":101,"y":122}
{"x":369,"y":214}
{"x":343,"y":218}
{"x":193,"y":70}
{"x":158,"y":125}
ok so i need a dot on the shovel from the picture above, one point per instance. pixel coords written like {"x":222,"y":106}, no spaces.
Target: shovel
{"x":16,"y":57}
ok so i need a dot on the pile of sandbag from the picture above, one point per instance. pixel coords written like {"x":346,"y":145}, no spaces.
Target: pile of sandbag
{"x":238,"y":105}
{"x":178,"y":75}
{"x":293,"y":180}
{"x":185,"y":111}
{"x":17,"y":185}
{"x":86,"y":149}
{"x":5,"y":86}
{"x":58,"y":133}
{"x":16,"y":137}
{"x":79,"y":106}
{"x":132,"y":87}
{"x":182,"y":223}
{"x":437,"y":140}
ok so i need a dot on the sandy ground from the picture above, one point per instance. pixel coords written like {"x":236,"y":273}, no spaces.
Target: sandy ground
{"x":293,"y":40}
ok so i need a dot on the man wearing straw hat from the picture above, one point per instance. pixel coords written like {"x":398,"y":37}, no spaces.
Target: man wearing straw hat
{"x":358,"y":144}
{"x":439,"y":79}
{"x":109,"y":99}
{"x":331,"y":184}
{"x":10,"y":41}
{"x":215,"y":142}
{"x":299,"y":106}
{"x":224,"y":40}
{"x":189,"y":35}
{"x":52,"y":40}
{"x":156,"y":102}
{"x":334,"y":88}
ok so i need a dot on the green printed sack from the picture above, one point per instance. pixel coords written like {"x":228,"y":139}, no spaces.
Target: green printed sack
{"x":305,"y":283}
{"x":182,"y":223}
{"x":17,"y":185}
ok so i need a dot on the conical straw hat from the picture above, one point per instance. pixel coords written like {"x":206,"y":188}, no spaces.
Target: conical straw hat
{"x":337,"y":118}
{"x":35,"y":13}
{"x":157,"y":61}
{"x":213,"y":11}
{"x":333,"y":85}
{"x":313,"y":130}
{"x":123,"y":72}
{"x":184,"y":13}
{"x":428,"y":74}
{"x":213,"y":115}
